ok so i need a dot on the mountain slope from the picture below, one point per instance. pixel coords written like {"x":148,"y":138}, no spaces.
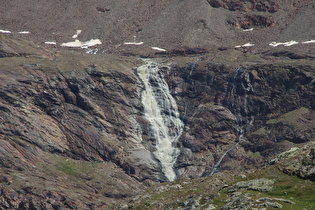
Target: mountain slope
{"x":70,"y":121}
{"x":168,"y":24}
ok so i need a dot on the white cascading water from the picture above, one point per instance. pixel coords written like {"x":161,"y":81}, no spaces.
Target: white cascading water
{"x":161,"y":111}
{"x":239,"y":107}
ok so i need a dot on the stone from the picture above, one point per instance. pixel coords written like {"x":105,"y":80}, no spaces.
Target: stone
{"x":262,"y":185}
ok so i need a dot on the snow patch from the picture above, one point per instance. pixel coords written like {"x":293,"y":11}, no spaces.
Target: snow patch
{"x":51,"y":43}
{"x":245,"y":45}
{"x":308,"y":42}
{"x":133,"y":43}
{"x":287,"y":44}
{"x":158,"y":49}
{"x":77,"y":34}
{"x":24,"y":32}
{"x":250,"y":29}
{"x":91,"y":43}
{"x":248,"y":45}
{"x":290,"y":43}
{"x":78,"y":43}
{"x":5,"y":31}
{"x":275,"y":44}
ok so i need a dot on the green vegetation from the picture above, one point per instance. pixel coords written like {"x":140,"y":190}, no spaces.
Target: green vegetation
{"x":176,"y":194}
{"x":76,"y":179}
{"x":77,"y":169}
{"x":66,"y":62}
{"x":261,"y":131}
{"x":289,"y":191}
{"x":289,"y":188}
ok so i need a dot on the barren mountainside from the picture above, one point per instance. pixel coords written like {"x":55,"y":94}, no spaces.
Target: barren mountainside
{"x":171,"y":104}
{"x":167,"y":24}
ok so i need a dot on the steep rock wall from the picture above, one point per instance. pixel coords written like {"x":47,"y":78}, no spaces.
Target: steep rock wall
{"x":273,"y":105}
{"x":59,"y":115}
{"x":59,"y":123}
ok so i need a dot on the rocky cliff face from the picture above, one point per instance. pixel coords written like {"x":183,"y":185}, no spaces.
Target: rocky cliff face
{"x":263,"y":102}
{"x":71,"y":121}
{"x":50,"y":116}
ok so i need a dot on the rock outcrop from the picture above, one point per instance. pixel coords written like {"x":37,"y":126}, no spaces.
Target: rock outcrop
{"x":297,"y":161}
{"x":262,"y":6}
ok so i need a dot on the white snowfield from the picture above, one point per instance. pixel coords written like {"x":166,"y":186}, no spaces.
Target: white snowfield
{"x":308,"y":42}
{"x":93,"y":42}
{"x":158,"y":49}
{"x":5,"y":31}
{"x":245,"y":45}
{"x":248,"y":45}
{"x":24,"y":32}
{"x":51,"y":43}
{"x":287,"y":44}
{"x":276,"y":44}
{"x":77,"y":34}
{"x":78,"y":43}
{"x":250,"y":29}
{"x":133,"y":43}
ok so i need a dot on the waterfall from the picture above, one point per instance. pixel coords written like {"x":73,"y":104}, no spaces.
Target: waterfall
{"x":161,"y":111}
{"x":236,"y":100}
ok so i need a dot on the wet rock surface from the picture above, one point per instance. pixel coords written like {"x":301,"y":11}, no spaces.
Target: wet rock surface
{"x":263,"y":101}
{"x":73,"y":134}
{"x":91,"y":112}
{"x":72,"y":127}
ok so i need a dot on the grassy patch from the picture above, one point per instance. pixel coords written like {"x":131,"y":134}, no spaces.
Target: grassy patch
{"x":74,"y":168}
{"x":289,"y":187}
{"x":289,"y":191}
{"x":69,"y":167}
{"x":261,"y":131}
{"x":177,"y":194}
{"x":294,"y":119}
{"x":67,"y":62}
